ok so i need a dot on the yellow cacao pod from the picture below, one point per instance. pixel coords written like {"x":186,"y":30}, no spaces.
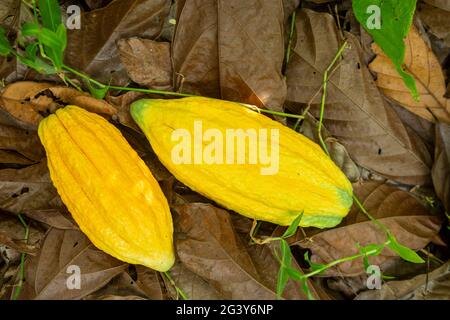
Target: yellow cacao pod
{"x":202,"y":129}
{"x":107,"y":188}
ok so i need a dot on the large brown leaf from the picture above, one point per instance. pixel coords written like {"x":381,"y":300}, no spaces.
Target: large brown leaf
{"x":93,"y":49}
{"x":441,"y":167}
{"x":46,"y":274}
{"x":209,"y":246}
{"x":407,"y":219}
{"x":231,"y":49}
{"x":356,"y":113}
{"x":195,"y":48}
{"x":443,"y":4}
{"x":420,"y":62}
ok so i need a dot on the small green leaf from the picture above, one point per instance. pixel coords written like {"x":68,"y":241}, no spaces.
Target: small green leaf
{"x":5,"y":46}
{"x":404,"y":252}
{"x":306,"y":290}
{"x":96,"y":92}
{"x":50,"y":13}
{"x":389,"y":22}
{"x":314,"y":266}
{"x":293,"y":227}
{"x":282,"y":281}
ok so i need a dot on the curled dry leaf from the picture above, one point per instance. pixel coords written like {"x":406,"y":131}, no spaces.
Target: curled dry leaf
{"x":441,"y":167}
{"x":29,"y":102}
{"x":209,"y":246}
{"x":93,"y":48}
{"x":355,"y":113}
{"x":232,"y":50}
{"x":408,"y":220}
{"x":423,"y":65}
{"x":147,"y":62}
{"x":46,"y":274}
{"x":122,"y":104}
{"x":430,"y":286}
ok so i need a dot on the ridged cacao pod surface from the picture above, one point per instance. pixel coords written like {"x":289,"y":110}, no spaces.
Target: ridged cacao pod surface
{"x":107,"y":188}
{"x":305,"y":180}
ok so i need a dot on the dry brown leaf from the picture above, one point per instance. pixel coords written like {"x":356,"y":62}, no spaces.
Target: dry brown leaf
{"x":149,"y":282}
{"x":209,"y":246}
{"x":93,"y":48}
{"x":12,"y":234}
{"x":338,"y":153}
{"x":46,"y":273}
{"x":122,"y":104}
{"x":29,"y":102}
{"x":430,"y":286}
{"x":23,"y":142}
{"x":420,"y":62}
{"x":441,"y":167}
{"x":194,"y":48}
{"x":147,"y":62}
{"x":194,"y":286}
{"x":232,"y":50}
{"x":408,"y":220}
{"x":436,"y":20}
{"x":119,"y":288}
{"x":443,"y":4}
{"x":251,"y":52}
{"x":355,"y":113}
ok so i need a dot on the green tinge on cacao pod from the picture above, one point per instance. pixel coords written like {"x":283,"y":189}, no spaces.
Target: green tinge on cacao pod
{"x":286,"y":176}
{"x":107,"y":188}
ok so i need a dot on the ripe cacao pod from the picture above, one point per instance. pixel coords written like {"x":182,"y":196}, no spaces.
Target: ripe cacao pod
{"x":306,"y":181}
{"x":107,"y":188}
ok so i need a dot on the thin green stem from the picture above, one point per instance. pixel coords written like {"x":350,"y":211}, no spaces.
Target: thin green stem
{"x":169,"y":93}
{"x":18,"y":289}
{"x":324,"y":95}
{"x":180,"y":292}
{"x":291,"y":36}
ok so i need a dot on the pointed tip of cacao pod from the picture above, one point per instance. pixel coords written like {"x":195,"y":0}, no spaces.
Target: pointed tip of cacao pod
{"x":138,"y":107}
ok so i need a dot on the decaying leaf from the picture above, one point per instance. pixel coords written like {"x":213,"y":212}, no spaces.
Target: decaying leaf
{"x":231,"y":49}
{"x":12,"y":234}
{"x":29,"y":102}
{"x":436,"y":20}
{"x":193,"y":286}
{"x":121,"y":287}
{"x":408,"y":220}
{"x":209,"y":247}
{"x":423,"y":65}
{"x":432,"y":286}
{"x":355,"y":113}
{"x":337,"y":151}
{"x":147,"y":62}
{"x":149,"y":282}
{"x":62,"y":253}
{"x":93,"y":48}
{"x":441,"y":167}
{"x":443,"y":4}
